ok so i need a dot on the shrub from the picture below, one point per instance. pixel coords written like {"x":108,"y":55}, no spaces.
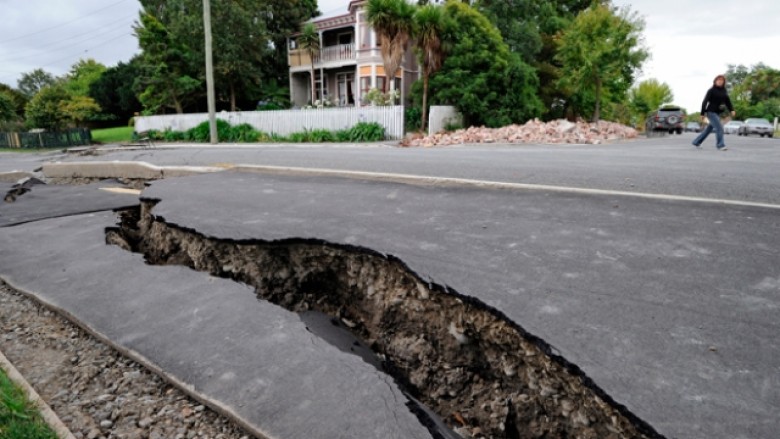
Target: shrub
{"x":243,"y":133}
{"x":343,"y":135}
{"x":413,"y":118}
{"x":320,"y":136}
{"x":298,"y":137}
{"x":367,"y":132}
{"x":202,"y":132}
{"x":173,"y":136}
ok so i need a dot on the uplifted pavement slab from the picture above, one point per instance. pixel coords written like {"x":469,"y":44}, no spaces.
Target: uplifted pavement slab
{"x":52,"y":201}
{"x":670,"y":307}
{"x":249,"y":359}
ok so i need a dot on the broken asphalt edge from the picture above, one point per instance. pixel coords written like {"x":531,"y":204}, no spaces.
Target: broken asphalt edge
{"x":14,"y":176}
{"x":120,"y":169}
{"x":549,"y":350}
{"x":47,"y":414}
{"x":148,"y":364}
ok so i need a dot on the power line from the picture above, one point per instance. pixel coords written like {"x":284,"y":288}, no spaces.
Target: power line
{"x":87,"y":50}
{"x":58,"y":46}
{"x":63,"y":24}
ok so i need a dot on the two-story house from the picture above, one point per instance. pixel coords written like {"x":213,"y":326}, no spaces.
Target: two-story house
{"x":349,"y":63}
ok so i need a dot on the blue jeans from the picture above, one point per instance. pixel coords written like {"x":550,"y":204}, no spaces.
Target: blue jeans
{"x":714,"y":125}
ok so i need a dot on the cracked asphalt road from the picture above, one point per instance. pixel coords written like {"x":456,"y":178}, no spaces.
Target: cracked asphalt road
{"x":671,"y":306}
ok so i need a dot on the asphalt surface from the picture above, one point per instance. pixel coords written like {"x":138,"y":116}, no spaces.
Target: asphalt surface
{"x":247,"y":358}
{"x":671,"y":307}
{"x":667,"y":165}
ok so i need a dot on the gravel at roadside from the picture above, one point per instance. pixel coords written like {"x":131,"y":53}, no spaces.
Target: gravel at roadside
{"x":96,"y":391}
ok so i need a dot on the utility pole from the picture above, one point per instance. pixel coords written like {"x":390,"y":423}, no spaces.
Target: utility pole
{"x":210,"y":73}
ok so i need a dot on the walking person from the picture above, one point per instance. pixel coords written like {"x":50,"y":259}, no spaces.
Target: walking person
{"x":717,"y":98}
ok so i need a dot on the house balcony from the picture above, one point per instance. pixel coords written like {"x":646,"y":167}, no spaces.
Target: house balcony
{"x":337,"y":54}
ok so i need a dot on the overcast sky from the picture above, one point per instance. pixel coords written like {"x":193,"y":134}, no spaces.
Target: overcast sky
{"x":690,"y":41}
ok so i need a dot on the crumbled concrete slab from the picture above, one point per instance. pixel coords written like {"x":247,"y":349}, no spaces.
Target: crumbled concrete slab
{"x":669,"y":307}
{"x":51,"y":201}
{"x":247,"y":358}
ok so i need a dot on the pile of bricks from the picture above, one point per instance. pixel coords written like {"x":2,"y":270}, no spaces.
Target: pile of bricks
{"x":534,"y":131}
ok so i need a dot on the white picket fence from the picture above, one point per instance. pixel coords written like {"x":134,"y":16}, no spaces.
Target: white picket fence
{"x":285,"y":122}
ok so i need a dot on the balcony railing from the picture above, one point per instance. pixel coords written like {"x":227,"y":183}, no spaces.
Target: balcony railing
{"x":341,"y":52}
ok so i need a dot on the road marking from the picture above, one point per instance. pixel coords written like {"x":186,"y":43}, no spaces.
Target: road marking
{"x":487,"y":184}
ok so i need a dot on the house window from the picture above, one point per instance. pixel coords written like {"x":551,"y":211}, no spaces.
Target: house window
{"x":365,"y":85}
{"x":380,"y":83}
{"x":293,"y":44}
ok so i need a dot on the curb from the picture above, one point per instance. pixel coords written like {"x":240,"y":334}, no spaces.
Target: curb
{"x":46,"y":412}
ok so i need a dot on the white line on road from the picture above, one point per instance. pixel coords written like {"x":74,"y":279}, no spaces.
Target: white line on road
{"x":487,"y":184}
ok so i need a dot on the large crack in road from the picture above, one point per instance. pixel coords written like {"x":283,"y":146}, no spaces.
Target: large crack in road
{"x":483,"y":374}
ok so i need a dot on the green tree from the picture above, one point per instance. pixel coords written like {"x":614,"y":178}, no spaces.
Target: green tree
{"x":79,"y":109}
{"x":480,"y":76}
{"x":530,"y":27}
{"x":114,"y":90}
{"x":309,"y":41}
{"x":82,"y":75}
{"x":517,"y":20}
{"x":600,"y":52}
{"x":32,"y":82}
{"x":430,"y":27}
{"x":647,"y":96}
{"x":17,"y":98}
{"x":393,"y":22}
{"x":44,"y":109}
{"x":167,"y":64}
{"x":7,"y":110}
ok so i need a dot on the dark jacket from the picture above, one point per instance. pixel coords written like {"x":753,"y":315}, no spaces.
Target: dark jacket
{"x":715,"y":99}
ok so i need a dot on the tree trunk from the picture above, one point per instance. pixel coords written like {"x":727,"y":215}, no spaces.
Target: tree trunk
{"x":424,"y":100}
{"x":232,"y":97}
{"x":177,"y":105}
{"x":597,"y":110}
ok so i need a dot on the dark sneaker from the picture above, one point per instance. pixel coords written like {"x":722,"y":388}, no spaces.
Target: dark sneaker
{"x":697,"y":146}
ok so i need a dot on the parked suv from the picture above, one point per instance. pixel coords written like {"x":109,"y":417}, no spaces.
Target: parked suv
{"x":669,"y":118}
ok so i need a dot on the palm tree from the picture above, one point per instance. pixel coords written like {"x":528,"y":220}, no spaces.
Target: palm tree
{"x":393,"y":22}
{"x":430,"y":26}
{"x":309,"y":41}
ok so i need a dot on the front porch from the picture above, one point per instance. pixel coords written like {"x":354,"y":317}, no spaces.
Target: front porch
{"x":338,"y":86}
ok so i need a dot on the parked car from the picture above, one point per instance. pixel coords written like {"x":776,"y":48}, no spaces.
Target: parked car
{"x":669,"y":118}
{"x":693,"y":127}
{"x":733,"y":127}
{"x":762,"y":127}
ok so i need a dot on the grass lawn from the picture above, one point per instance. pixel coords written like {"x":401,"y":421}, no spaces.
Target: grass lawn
{"x":18,"y":418}
{"x":31,"y":151}
{"x":113,"y":135}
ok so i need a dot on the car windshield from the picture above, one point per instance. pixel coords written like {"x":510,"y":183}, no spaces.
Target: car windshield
{"x":757,"y":122}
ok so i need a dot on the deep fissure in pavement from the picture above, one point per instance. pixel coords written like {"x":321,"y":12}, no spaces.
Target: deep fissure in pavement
{"x":479,"y":371}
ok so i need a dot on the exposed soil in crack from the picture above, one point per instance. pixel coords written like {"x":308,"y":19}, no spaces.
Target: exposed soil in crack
{"x":481,"y":372}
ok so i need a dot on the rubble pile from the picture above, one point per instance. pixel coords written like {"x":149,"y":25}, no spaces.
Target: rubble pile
{"x":534,"y":131}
